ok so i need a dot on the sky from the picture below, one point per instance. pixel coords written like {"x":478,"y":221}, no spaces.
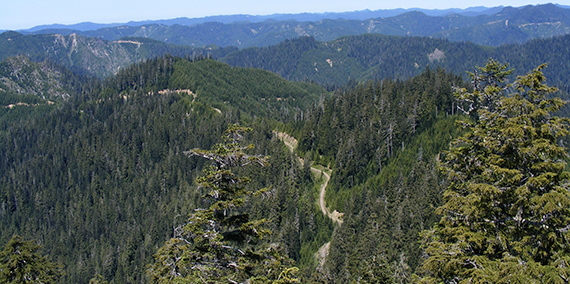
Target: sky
{"x":25,"y":14}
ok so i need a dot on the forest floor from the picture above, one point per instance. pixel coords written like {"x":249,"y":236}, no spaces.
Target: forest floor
{"x":324,"y":174}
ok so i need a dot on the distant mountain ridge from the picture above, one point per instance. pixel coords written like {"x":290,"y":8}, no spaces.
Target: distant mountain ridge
{"x":492,"y":27}
{"x":93,"y":56}
{"x":301,"y":17}
{"x":336,"y":62}
{"x":373,"y":56}
{"x":22,"y":76}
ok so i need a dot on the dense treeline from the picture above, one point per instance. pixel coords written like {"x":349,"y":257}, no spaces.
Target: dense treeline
{"x":374,"y":120}
{"x":101,"y":180}
{"x":252,"y":92}
{"x":281,"y":59}
{"x":375,"y":56}
{"x":382,"y":139}
{"x":91,"y":188}
{"x":94,"y":56}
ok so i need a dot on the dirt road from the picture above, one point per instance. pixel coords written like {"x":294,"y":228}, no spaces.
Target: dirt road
{"x":291,"y":143}
{"x":335,"y":216}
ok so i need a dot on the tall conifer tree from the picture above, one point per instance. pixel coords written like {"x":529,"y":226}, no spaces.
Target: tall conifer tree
{"x":221,"y":244}
{"x":20,"y":262}
{"x":507,"y":210}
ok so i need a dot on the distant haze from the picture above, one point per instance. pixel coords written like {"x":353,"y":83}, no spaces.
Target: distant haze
{"x":25,"y":14}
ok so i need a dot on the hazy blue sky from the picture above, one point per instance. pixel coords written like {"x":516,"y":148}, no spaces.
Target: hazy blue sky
{"x":23,"y":14}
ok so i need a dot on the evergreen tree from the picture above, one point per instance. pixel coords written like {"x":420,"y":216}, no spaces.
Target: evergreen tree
{"x":375,"y":270}
{"x":221,"y":244}
{"x":507,"y":210}
{"x":20,"y":262}
{"x":489,"y":83}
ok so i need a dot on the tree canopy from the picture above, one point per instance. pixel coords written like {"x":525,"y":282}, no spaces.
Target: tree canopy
{"x":21,"y":262}
{"x":221,"y":243}
{"x":507,"y":210}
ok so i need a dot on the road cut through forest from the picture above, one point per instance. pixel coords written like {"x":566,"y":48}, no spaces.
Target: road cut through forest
{"x":324,"y":173}
{"x":291,"y":143}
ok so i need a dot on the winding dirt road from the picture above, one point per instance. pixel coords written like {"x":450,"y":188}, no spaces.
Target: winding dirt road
{"x":335,"y":216}
{"x":291,"y":143}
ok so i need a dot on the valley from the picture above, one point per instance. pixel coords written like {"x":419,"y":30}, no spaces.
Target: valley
{"x":303,"y":154}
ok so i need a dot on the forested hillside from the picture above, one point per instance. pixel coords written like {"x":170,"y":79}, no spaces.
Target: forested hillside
{"x":382,"y":140}
{"x":31,"y":89}
{"x":332,"y":63}
{"x":102,"y":161}
{"x":93,"y":56}
{"x":117,"y":183}
{"x":375,"y":56}
{"x":101,"y":180}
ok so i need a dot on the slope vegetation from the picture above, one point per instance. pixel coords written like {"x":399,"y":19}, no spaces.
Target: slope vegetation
{"x":374,"y":56}
{"x":89,"y":55}
{"x":101,"y":179}
{"x":333,"y":63}
{"x":318,"y":172}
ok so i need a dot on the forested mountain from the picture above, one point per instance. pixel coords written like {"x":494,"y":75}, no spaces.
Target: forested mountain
{"x":382,"y":140}
{"x":23,"y":76}
{"x":30,"y":89}
{"x":374,"y":56}
{"x":302,"y":17}
{"x":93,"y":56}
{"x":509,"y":25}
{"x":333,"y":63}
{"x":513,"y":25}
{"x":117,"y":182}
{"x":101,"y":180}
{"x":100,"y":158}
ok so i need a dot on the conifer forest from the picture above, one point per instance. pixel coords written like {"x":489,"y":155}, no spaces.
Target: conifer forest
{"x":365,"y":158}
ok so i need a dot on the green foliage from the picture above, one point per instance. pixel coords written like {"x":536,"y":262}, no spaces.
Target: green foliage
{"x":29,"y":89}
{"x":221,"y":243}
{"x":488,"y":87}
{"x":82,"y":54}
{"x":246,"y":91}
{"x":101,"y":179}
{"x":254,"y":92}
{"x":378,"y":56}
{"x":373,"y":121}
{"x":506,"y":212}
{"x":20,"y":262}
{"x":386,"y":185}
{"x":374,"y":270}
